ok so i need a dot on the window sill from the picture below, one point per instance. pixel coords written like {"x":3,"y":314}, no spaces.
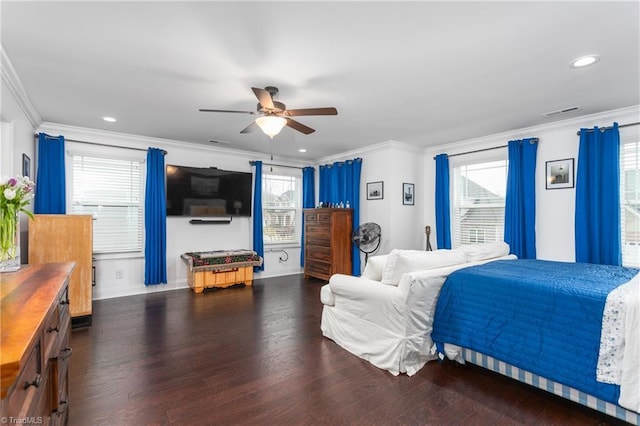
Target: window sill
{"x":278,"y":247}
{"x":113,"y":256}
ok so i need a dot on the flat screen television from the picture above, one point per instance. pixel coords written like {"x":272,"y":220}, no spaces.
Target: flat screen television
{"x":207,"y":192}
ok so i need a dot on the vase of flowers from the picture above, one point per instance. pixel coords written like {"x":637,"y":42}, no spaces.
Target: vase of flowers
{"x":15,"y":195}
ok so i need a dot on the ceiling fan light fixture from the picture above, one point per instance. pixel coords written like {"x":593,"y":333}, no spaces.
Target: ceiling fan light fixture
{"x":271,"y":125}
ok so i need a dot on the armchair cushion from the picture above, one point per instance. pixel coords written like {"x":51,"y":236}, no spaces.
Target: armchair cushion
{"x":402,"y":261}
{"x":374,"y":267}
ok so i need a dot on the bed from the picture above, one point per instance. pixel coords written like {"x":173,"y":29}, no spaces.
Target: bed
{"x":569,"y":328}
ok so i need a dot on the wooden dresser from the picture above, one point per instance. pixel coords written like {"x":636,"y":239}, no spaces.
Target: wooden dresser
{"x":35,"y":344}
{"x":67,"y":238}
{"x":327,"y":242}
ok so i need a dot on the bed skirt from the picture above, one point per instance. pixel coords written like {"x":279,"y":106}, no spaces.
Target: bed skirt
{"x":558,"y":389}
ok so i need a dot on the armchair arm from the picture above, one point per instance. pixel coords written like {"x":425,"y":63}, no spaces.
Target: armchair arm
{"x":370,"y":300}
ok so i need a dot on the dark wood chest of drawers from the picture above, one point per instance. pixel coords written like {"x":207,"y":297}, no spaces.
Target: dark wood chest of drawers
{"x":35,"y":344}
{"x":327,"y":242}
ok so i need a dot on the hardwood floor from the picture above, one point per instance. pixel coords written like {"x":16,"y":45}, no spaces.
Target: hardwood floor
{"x":256,"y":355}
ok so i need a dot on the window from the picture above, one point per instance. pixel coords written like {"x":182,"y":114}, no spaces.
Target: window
{"x":111,"y":191}
{"x":630,"y":202}
{"x":478,"y":202}
{"x":281,"y":208}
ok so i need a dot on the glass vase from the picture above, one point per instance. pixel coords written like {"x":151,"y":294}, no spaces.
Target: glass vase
{"x":9,"y":242}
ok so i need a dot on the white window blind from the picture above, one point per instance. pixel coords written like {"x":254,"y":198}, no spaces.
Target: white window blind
{"x":478,"y":202}
{"x":281,"y":209}
{"x":111,"y":191}
{"x":630,"y":202}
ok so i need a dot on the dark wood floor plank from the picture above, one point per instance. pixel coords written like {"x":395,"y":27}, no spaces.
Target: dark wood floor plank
{"x":256,"y":355}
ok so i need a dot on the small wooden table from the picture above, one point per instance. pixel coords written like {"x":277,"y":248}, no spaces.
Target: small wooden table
{"x":220,"y":269}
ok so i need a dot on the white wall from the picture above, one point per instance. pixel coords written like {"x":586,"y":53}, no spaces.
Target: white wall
{"x":392,"y":163}
{"x":16,"y":138}
{"x":555,"y":209}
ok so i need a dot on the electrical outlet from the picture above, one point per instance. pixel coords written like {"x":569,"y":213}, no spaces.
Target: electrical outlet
{"x":119,"y":274}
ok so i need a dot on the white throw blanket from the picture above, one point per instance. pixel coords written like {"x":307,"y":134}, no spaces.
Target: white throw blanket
{"x":619,"y":357}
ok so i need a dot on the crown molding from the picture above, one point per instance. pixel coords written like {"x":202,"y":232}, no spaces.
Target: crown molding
{"x":128,"y":140}
{"x":11,"y":79}
{"x":600,"y":119}
{"x":371,"y":148}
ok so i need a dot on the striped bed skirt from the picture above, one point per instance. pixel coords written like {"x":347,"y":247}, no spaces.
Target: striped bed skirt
{"x":564,"y":391}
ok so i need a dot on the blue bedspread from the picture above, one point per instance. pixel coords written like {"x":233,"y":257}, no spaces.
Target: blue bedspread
{"x":542,"y":316}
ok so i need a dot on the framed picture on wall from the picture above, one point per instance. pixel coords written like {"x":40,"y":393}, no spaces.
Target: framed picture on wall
{"x":408,"y":194}
{"x":560,"y":174}
{"x":26,"y":165}
{"x":375,"y":190}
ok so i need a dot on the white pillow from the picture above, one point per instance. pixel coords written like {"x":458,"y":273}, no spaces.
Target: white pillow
{"x":374,"y":267}
{"x":476,"y":252}
{"x":403,"y":261}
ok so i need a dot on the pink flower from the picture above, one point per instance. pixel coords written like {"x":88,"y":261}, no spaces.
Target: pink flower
{"x":12,"y":182}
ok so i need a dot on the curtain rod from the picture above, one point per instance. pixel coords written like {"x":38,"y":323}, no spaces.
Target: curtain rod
{"x":276,"y":165}
{"x":99,"y":144}
{"x":533,"y":140}
{"x":611,"y":127}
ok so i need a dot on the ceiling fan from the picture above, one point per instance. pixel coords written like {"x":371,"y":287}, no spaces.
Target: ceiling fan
{"x":274,"y":115}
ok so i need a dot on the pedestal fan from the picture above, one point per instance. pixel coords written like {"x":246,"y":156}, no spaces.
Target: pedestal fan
{"x":367,"y":238}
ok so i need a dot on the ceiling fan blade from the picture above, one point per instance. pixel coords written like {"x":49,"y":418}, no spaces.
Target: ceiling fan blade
{"x":311,"y":111}
{"x":249,"y":128}
{"x":226,"y":110}
{"x":296,"y":125}
{"x":264,"y":97}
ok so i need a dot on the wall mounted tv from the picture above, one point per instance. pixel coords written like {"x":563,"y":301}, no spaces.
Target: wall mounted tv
{"x":207,"y":192}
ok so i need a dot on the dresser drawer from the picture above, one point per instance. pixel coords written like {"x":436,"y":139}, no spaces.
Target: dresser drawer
{"x":318,"y":269}
{"x":311,"y":218}
{"x":314,"y":230}
{"x":317,"y":241}
{"x":324,"y":218}
{"x":59,"y":373}
{"x":28,"y":388}
{"x":318,"y":253}
{"x":55,"y":326}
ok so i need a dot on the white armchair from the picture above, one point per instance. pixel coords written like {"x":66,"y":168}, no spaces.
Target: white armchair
{"x":386,"y":316}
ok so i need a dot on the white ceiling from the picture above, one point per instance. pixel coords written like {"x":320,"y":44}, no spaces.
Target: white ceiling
{"x":423,"y":73}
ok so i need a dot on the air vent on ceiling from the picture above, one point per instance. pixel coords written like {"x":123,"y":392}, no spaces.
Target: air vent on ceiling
{"x":560,"y":111}
{"x":219,"y":142}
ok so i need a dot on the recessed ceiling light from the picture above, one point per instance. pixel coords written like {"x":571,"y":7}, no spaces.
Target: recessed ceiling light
{"x":109,"y":119}
{"x":584,"y":61}
{"x":302,"y":150}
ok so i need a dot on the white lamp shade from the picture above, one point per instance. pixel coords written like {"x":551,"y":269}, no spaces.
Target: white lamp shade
{"x":270,"y":124}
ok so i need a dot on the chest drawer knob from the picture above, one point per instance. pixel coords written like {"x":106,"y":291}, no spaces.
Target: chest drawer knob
{"x":52,"y":329}
{"x":65,"y":353}
{"x":35,"y":382}
{"x":62,"y":407}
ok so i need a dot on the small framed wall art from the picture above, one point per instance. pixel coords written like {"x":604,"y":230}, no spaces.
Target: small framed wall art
{"x":560,"y":174}
{"x":26,"y":165}
{"x":375,"y":190}
{"x":408,"y":193}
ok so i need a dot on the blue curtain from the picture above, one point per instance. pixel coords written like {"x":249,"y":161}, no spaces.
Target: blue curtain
{"x":155,"y":220}
{"x":50,"y":178}
{"x":520,"y":203}
{"x":597,"y":223}
{"x":308,"y":200}
{"x":258,"y":239}
{"x":340,"y":183}
{"x":443,"y":207}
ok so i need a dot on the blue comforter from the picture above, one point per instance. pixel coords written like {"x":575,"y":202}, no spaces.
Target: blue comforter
{"x":542,"y":316}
